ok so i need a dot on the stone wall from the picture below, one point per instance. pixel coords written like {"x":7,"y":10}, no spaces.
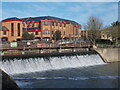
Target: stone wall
{"x":109,"y":54}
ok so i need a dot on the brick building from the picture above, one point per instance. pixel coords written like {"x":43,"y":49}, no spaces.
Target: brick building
{"x":43,"y":28}
{"x":106,"y":34}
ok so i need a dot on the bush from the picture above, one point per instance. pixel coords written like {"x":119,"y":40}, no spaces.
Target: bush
{"x":27,"y":36}
{"x":57,"y":35}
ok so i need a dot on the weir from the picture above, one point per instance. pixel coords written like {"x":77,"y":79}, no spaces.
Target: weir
{"x":19,"y":66}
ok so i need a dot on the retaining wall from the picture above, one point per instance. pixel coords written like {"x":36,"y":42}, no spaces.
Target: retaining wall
{"x":109,"y":54}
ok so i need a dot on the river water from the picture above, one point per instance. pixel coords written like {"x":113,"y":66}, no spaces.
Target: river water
{"x":86,"y":71}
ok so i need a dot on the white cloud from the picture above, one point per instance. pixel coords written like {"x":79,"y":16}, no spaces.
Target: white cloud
{"x":60,"y":0}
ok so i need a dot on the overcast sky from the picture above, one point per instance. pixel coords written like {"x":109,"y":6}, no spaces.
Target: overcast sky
{"x":77,"y":11}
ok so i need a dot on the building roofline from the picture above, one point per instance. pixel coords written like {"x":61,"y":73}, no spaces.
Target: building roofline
{"x":30,"y":19}
{"x":37,"y":19}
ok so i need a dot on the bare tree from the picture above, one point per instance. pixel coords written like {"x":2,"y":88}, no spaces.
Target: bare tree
{"x":93,"y":26}
{"x":114,"y":30}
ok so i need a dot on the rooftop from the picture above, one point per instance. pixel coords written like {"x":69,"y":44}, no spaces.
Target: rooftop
{"x":29,"y":19}
{"x":12,"y":18}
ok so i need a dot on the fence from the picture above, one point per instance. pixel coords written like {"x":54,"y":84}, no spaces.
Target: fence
{"x":38,"y":44}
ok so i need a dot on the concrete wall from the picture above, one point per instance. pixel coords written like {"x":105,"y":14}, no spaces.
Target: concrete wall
{"x":109,"y":54}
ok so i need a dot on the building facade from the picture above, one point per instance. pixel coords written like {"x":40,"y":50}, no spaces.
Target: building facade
{"x":11,"y":29}
{"x":103,"y":34}
{"x":84,"y":34}
{"x":42,"y":27}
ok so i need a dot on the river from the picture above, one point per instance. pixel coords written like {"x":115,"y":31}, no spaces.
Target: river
{"x":80,"y":71}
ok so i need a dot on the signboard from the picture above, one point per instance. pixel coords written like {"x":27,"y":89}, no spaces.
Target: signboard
{"x":13,"y":44}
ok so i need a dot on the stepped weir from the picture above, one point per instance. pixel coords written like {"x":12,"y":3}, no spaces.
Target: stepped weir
{"x":39,"y":64}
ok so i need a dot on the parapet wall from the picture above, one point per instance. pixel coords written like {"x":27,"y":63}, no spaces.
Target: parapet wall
{"x":109,"y":54}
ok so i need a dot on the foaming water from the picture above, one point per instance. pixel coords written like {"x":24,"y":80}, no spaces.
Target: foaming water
{"x":18,"y":66}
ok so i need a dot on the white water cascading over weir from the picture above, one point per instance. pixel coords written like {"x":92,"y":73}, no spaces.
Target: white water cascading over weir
{"x":19,"y":66}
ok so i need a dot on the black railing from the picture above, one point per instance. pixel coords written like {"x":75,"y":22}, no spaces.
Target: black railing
{"x":40,"y":44}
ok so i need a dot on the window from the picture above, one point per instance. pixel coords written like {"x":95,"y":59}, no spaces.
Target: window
{"x":64,"y":25}
{"x":52,"y":23}
{"x":60,"y":24}
{"x":108,"y":35}
{"x":56,"y":23}
{"x":33,"y":24}
{"x":52,"y":32}
{"x":64,"y":32}
{"x":4,"y":32}
{"x":76,"y":30}
{"x":39,"y":24}
{"x":46,"y":32}
{"x":28,"y":25}
{"x":36,"y":33}
{"x":23,"y":24}
{"x":43,"y":23}
{"x":12,"y":29}
{"x":18,"y":29}
{"x":47,"y":23}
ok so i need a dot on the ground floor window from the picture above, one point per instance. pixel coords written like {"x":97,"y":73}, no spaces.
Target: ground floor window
{"x":36,"y":33}
{"x":4,"y":32}
{"x":4,"y":39}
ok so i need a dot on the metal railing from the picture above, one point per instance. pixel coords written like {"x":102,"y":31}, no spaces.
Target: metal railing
{"x":39,"y":44}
